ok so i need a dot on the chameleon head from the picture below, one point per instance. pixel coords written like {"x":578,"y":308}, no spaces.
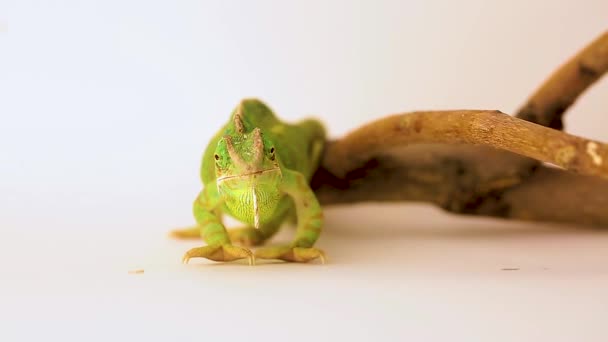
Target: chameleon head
{"x":248,"y":175}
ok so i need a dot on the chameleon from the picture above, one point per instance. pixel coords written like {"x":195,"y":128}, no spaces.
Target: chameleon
{"x":257,"y":170}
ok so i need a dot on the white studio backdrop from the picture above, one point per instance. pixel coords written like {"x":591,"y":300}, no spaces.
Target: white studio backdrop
{"x":106,"y":107}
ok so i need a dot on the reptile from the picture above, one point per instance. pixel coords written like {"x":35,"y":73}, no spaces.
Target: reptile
{"x":257,"y":169}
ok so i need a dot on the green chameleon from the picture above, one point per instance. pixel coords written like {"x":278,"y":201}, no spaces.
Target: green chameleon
{"x":257,"y":170}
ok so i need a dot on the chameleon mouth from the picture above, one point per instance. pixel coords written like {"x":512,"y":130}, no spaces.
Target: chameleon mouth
{"x":274,"y":169}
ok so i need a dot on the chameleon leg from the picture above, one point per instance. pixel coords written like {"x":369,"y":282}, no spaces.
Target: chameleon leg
{"x":192,"y":232}
{"x":310,"y":220}
{"x":213,"y":232}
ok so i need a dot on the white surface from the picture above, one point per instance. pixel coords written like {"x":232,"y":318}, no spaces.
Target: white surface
{"x":106,"y":107}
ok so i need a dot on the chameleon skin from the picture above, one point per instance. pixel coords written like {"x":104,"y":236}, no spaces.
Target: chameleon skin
{"x":257,"y":169}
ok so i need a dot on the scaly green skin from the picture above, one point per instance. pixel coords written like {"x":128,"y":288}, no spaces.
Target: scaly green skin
{"x":257,"y":169}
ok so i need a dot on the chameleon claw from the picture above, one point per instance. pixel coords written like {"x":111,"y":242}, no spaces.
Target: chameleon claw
{"x":322,"y":257}
{"x":309,"y":254}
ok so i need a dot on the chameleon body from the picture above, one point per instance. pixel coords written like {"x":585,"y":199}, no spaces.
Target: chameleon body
{"x":257,"y":169}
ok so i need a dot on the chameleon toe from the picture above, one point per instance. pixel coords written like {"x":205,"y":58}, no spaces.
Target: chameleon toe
{"x":291,"y":254}
{"x":220,"y":253}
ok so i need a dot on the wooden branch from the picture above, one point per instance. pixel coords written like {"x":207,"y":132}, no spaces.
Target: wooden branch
{"x":476,"y":127}
{"x":548,"y":104}
{"x":553,"y":98}
{"x":469,"y":180}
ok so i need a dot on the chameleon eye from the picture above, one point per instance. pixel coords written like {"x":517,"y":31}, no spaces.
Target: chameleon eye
{"x":216,"y":157}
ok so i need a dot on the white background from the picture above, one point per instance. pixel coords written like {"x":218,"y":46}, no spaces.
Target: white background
{"x":106,"y":106}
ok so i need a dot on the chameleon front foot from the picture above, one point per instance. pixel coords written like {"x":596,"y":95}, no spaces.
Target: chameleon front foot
{"x":290,"y":253}
{"x":219,"y":253}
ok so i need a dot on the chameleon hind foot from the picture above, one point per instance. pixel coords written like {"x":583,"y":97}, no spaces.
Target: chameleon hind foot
{"x":186,"y":233}
{"x":219,"y":253}
{"x":291,"y":253}
{"x":246,"y":236}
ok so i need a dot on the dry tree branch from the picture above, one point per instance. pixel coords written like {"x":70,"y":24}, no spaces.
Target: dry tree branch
{"x":391,"y":159}
{"x":460,"y":180}
{"x":547,"y":105}
{"x":475,"y":127}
